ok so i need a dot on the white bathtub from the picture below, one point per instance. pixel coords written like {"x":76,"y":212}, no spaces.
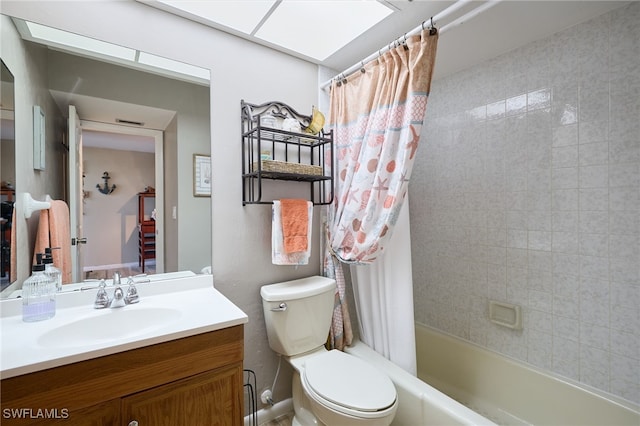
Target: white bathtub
{"x":510,"y":392}
{"x":419,"y":403}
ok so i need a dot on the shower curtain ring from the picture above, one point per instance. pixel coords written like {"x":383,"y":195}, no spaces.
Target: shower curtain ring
{"x":362,"y":67}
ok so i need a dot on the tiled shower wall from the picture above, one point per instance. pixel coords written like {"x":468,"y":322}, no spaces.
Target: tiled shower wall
{"x":526,"y":190}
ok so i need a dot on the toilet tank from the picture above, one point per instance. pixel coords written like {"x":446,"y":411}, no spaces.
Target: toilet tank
{"x":298,"y":313}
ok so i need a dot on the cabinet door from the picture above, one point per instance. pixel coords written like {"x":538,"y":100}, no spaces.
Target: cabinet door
{"x":208,"y":399}
{"x":104,"y":414}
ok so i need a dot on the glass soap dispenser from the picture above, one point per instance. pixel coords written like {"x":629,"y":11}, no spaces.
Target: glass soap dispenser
{"x":38,"y":294}
{"x":51,"y":271}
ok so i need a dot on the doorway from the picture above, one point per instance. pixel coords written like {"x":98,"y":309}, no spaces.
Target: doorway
{"x":119,"y":162}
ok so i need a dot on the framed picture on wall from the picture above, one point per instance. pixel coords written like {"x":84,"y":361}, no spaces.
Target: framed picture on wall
{"x":201,"y":175}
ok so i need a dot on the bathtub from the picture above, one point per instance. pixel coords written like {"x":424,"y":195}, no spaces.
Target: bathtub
{"x":419,"y":403}
{"x":508,"y":391}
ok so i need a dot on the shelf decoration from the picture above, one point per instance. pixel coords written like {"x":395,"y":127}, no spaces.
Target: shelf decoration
{"x":106,"y":190}
{"x":280,"y":144}
{"x":201,"y":175}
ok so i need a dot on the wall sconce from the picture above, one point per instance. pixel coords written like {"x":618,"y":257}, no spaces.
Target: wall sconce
{"x":106,"y":190}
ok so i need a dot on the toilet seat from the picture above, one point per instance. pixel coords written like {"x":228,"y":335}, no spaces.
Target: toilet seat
{"x":348,"y":385}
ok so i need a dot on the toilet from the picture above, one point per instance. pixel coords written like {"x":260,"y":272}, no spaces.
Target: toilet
{"x":330,"y":388}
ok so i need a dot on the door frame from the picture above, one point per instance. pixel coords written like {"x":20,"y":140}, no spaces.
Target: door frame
{"x":158,"y":137}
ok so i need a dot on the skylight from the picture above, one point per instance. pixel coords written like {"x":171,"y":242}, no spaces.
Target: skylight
{"x":110,"y":52}
{"x":68,"y":39}
{"x":313,"y":28}
{"x":241,"y":15}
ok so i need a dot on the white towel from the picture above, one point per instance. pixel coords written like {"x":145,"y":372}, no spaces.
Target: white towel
{"x":278,"y":256}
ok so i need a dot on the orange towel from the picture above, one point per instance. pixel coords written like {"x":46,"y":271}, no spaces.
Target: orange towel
{"x":54,"y":231}
{"x":295,"y":224}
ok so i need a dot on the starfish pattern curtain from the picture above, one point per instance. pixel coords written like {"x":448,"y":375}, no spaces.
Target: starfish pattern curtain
{"x":376,"y":116}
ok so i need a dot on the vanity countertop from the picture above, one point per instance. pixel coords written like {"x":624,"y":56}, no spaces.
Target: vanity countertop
{"x":168,"y":310}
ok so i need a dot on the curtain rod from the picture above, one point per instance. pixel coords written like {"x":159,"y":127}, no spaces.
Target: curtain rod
{"x":446,"y":12}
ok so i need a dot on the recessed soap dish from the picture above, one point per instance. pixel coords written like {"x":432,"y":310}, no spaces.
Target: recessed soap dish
{"x":505,"y":314}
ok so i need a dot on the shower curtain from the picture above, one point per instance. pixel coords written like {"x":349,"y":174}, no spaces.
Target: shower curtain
{"x":376,"y":116}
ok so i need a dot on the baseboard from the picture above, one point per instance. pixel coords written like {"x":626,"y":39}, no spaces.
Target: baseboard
{"x":267,"y":414}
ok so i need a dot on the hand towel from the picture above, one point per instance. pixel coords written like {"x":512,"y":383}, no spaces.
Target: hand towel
{"x":295,"y":223}
{"x":54,"y":230}
{"x":60,"y":236}
{"x":278,"y":254}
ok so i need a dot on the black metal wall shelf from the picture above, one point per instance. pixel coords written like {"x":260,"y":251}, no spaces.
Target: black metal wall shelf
{"x":271,"y":153}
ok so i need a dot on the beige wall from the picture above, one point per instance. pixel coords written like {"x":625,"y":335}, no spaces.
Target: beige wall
{"x":110,"y":221}
{"x":28,"y":64}
{"x":239,"y":70}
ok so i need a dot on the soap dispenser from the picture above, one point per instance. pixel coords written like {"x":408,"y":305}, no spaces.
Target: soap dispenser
{"x":50,"y":270}
{"x":38,"y":294}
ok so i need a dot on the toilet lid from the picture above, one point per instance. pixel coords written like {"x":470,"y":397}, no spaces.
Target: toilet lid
{"x":348,"y":381}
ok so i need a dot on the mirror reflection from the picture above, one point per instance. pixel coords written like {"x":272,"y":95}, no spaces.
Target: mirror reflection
{"x":7,"y":176}
{"x":139,"y":125}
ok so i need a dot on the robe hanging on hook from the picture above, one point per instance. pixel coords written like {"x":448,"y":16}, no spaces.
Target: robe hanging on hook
{"x":106,"y":189}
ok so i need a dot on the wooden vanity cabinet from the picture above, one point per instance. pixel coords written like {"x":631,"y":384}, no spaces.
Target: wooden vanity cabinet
{"x":194,"y":381}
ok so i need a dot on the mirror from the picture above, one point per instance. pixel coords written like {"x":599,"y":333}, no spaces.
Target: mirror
{"x":121,"y":106}
{"x":7,"y":176}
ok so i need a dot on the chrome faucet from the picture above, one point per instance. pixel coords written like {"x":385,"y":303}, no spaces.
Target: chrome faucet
{"x":119,"y":299}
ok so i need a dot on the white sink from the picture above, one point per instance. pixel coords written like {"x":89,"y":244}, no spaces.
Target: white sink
{"x":109,"y":325}
{"x":168,"y":310}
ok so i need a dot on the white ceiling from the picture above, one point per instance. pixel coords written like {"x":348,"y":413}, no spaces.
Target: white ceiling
{"x":504,"y":27}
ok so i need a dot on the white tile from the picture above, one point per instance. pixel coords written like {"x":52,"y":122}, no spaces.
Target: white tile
{"x":625,"y":344}
{"x":626,"y":319}
{"x":624,"y":174}
{"x":539,"y":240}
{"x":624,"y":151}
{"x":624,"y":222}
{"x":594,"y":335}
{"x":593,"y":222}
{"x":540,"y":301}
{"x":567,"y":307}
{"x":567,"y":286}
{"x":564,"y":199}
{"x":566,"y":264}
{"x":564,"y":242}
{"x":625,"y":246}
{"x":594,"y":311}
{"x":594,"y":176}
{"x":517,"y":238}
{"x":593,"y":131}
{"x":624,"y":271}
{"x":594,"y":267}
{"x":566,"y":328}
{"x":539,"y":220}
{"x":517,"y":219}
{"x":564,"y":156}
{"x":594,"y":199}
{"x":625,"y":295}
{"x":624,"y":198}
{"x":593,"y":154}
{"x":565,"y":135}
{"x":564,"y":178}
{"x":565,"y":221}
{"x":594,"y":288}
{"x":539,"y":349}
{"x":594,"y":244}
